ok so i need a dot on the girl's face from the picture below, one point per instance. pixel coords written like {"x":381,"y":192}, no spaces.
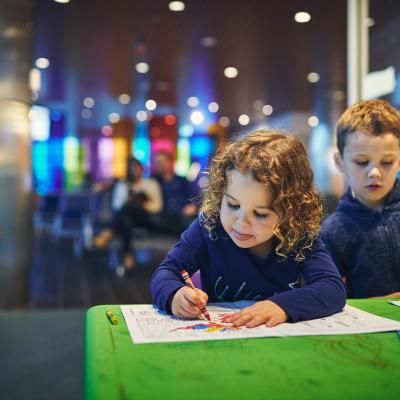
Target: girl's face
{"x":246,"y":214}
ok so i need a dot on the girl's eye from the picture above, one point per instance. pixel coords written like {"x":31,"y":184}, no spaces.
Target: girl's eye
{"x":260,"y":215}
{"x":233,"y":206}
{"x":387,"y":163}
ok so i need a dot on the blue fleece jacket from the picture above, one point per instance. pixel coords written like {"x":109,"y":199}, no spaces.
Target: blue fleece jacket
{"x":230,"y":273}
{"x":364,"y":244}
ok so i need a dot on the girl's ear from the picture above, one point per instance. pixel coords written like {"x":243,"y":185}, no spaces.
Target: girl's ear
{"x":338,"y":161}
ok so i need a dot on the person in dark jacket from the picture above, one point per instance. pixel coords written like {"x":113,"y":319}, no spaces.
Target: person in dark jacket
{"x":255,"y":239}
{"x":363,"y":233}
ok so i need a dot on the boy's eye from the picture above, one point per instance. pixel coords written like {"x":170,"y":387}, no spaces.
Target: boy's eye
{"x":362,"y":163}
{"x":233,"y":206}
{"x":259,"y":215}
{"x":387,"y":163}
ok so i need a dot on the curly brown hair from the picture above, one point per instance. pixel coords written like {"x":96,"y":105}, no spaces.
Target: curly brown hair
{"x":370,"y":116}
{"x":280,"y":162}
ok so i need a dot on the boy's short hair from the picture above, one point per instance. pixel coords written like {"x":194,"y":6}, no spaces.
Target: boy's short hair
{"x":370,"y":116}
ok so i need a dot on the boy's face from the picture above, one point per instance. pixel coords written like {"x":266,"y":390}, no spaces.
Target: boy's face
{"x":370,"y":164}
{"x":246,"y":213}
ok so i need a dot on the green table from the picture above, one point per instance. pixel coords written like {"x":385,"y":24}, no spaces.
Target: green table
{"x":311,"y":367}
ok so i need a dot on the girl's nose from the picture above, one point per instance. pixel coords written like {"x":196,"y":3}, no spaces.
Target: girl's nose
{"x":243,"y":220}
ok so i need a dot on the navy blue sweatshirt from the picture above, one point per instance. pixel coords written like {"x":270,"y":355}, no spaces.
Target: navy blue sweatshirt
{"x":364,"y":244}
{"x":230,"y":273}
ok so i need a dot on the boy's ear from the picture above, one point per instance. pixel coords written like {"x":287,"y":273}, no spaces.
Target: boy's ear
{"x":338,"y":161}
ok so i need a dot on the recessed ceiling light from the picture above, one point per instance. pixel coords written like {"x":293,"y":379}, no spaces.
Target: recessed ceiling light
{"x":142,"y":67}
{"x":302,"y":17}
{"x":114,"y":118}
{"x":88,"y":102}
{"x":313,"y":77}
{"x":208,"y":41}
{"x":176,"y":5}
{"x":197,"y":117}
{"x":244,"y":119}
{"x":313,"y":120}
{"x":192,"y":101}
{"x":151,"y":104}
{"x":231,"y":72}
{"x":267,"y":109}
{"x":124,"y":98}
{"x":213,"y":107}
{"x":42,"y":62}
{"x":224,"y":121}
{"x":62,"y":1}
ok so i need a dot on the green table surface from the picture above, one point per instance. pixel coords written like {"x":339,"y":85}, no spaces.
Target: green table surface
{"x":309,"y":367}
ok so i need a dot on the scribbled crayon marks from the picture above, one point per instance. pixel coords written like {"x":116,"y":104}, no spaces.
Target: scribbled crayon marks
{"x":206,"y":327}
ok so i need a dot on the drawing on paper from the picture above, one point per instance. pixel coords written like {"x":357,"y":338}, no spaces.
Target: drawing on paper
{"x":146,"y":324}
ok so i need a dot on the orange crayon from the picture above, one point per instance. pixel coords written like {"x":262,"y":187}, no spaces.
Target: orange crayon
{"x":189,"y":283}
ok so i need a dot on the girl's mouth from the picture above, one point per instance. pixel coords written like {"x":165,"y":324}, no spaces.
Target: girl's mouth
{"x":240,"y":236}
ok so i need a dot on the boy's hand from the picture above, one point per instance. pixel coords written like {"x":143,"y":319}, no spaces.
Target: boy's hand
{"x":188,"y":302}
{"x":263,"y":312}
{"x":388,"y":296}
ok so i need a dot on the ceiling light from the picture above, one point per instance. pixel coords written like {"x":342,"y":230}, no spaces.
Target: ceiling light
{"x":62,"y":1}
{"x":208,"y":41}
{"x":231,"y":72}
{"x":213,"y":107}
{"x":313,"y":121}
{"x":192,"y":101}
{"x":224,"y":122}
{"x":124,"y":98}
{"x":88,"y":102}
{"x":42,"y":63}
{"x":142,"y":67}
{"x":267,"y":109}
{"x":106,"y":130}
{"x":86,"y":113}
{"x":197,"y":117}
{"x":114,"y":118}
{"x":176,"y":5}
{"x":313,"y":77}
{"x":141,"y":115}
{"x":302,"y":17}
{"x":151,"y":104}
{"x":244,"y":119}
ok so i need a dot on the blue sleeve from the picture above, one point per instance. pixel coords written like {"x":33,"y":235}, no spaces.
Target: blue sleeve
{"x":189,"y":253}
{"x":324,"y":292}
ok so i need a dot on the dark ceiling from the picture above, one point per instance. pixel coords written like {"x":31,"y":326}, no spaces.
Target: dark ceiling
{"x":95,"y":44}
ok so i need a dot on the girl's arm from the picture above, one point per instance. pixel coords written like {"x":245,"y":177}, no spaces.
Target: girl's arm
{"x":189,"y":253}
{"x":324,"y":292}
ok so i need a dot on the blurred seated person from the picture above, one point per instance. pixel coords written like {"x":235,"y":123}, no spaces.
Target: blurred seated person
{"x":179,"y":210}
{"x":135,"y":201}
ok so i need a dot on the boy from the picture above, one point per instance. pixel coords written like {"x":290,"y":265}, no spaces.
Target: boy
{"x":363,"y":234}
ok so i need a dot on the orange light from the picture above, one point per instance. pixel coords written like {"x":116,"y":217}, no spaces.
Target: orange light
{"x":170,"y":119}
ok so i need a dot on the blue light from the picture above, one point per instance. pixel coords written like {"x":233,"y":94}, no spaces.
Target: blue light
{"x":201,"y":146}
{"x":56,"y":115}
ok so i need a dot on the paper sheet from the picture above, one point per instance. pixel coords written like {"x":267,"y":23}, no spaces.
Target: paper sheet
{"x":148,"y":325}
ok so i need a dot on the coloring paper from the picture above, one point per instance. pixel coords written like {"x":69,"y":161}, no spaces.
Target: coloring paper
{"x":146,"y":324}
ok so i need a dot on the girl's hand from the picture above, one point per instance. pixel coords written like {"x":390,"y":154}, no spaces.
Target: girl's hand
{"x":188,"y":302}
{"x":263,"y":312}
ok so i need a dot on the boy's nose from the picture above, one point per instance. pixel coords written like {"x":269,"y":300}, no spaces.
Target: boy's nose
{"x":374,"y":172}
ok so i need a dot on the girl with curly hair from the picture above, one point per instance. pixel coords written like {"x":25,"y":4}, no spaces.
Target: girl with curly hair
{"x":255,"y":239}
